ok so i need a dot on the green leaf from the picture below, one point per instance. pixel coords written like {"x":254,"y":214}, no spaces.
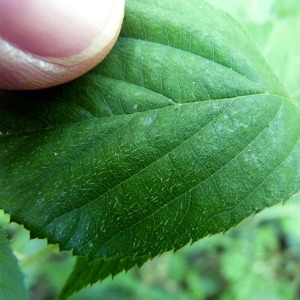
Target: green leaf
{"x":86,"y":272}
{"x":274,"y":26}
{"x":182,"y":132}
{"x":11,"y":279}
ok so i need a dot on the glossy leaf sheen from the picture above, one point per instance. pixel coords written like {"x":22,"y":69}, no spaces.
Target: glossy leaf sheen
{"x":182,"y":132}
{"x":11,"y":279}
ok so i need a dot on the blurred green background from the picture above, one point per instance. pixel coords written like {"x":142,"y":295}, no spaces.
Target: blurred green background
{"x":259,"y":259}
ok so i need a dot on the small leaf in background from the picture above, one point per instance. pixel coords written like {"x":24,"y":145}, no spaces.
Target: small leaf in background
{"x":11,"y":279}
{"x":182,"y":132}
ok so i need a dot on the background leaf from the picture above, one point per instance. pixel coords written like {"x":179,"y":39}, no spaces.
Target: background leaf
{"x":182,"y":132}
{"x":11,"y":279}
{"x":85,"y":272}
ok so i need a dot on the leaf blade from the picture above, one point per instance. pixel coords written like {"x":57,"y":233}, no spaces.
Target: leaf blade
{"x":160,"y":145}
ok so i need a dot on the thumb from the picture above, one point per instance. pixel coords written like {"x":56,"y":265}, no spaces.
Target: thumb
{"x":46,"y":43}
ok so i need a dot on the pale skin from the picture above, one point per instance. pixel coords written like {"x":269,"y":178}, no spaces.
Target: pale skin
{"x":44,"y":43}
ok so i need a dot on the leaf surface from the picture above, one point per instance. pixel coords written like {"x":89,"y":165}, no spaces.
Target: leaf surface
{"x":182,"y":132}
{"x":274,"y":26}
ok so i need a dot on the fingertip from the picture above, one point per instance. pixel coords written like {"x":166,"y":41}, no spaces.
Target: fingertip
{"x":45,"y":43}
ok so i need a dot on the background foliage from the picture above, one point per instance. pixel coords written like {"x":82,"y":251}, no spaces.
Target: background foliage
{"x":258,"y":259}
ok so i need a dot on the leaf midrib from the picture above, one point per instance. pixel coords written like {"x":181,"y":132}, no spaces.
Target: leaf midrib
{"x":133,"y":114}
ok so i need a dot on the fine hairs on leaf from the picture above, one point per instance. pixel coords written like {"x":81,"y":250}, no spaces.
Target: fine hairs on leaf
{"x":181,"y":132}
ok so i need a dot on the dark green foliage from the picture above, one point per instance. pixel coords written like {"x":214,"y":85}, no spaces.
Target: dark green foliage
{"x":11,"y":279}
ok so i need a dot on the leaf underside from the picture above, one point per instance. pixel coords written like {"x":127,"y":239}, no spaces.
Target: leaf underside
{"x":182,"y":132}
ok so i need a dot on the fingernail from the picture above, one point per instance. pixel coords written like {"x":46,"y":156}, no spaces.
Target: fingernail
{"x":55,"y":28}
{"x":47,"y":43}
